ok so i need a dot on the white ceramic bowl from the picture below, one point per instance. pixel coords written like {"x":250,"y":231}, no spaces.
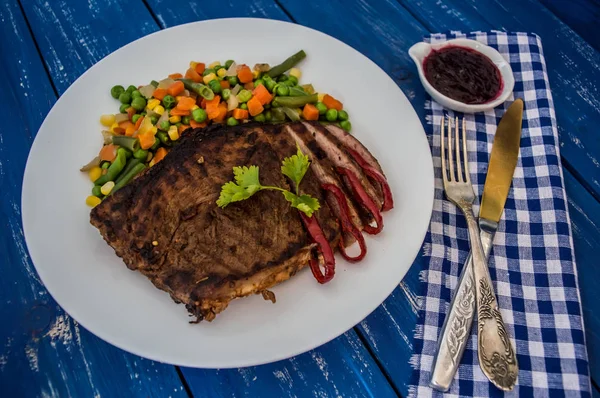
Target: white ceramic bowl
{"x":420,"y":51}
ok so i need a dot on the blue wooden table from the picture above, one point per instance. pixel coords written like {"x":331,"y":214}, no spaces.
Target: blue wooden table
{"x":46,"y":45}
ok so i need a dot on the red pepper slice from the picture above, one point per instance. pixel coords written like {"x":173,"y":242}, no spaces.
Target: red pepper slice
{"x":347,"y":224}
{"x":365,"y":200}
{"x":388,"y":200}
{"x":315,"y":231}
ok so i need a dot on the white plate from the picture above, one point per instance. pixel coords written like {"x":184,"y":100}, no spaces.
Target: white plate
{"x":94,"y":286}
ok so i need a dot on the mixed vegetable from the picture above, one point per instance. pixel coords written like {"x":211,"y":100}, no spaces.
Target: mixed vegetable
{"x":152,"y":118}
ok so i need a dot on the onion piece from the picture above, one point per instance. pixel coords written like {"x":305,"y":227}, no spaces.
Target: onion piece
{"x":185,"y":93}
{"x":93,"y":163}
{"x":107,"y":136}
{"x":232,"y":102}
{"x":236,"y":89}
{"x":232,"y":71}
{"x":165,"y":83}
{"x":147,"y":91}
{"x":162,"y":118}
{"x":121,"y":117}
{"x":292,"y":113}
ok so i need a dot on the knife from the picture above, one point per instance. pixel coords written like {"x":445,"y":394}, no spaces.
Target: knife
{"x":457,"y":326}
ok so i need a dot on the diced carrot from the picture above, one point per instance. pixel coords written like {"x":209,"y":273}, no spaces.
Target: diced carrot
{"x":200,"y":67}
{"x":332,"y":103}
{"x":139,"y":122}
{"x":254,"y":106}
{"x":182,"y":127}
{"x":118,"y":130}
{"x":126,"y":124}
{"x":196,"y":125}
{"x":146,"y":139}
{"x":310,"y":112}
{"x":262,"y":94}
{"x":130,"y":130}
{"x":159,"y":155}
{"x":175,"y":76}
{"x":240,"y":114}
{"x":130,"y":112}
{"x":203,"y":103}
{"x":108,"y":152}
{"x":179,"y":112}
{"x":249,"y":86}
{"x":213,"y":103}
{"x":159,"y":93}
{"x":192,"y":74}
{"x":222,"y":112}
{"x":175,"y":89}
{"x":186,"y":103}
{"x":245,"y":74}
{"x":224,"y":84}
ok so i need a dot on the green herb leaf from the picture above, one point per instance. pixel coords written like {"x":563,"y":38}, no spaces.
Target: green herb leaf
{"x":246,"y":184}
{"x":305,"y":203}
{"x":295,"y":167}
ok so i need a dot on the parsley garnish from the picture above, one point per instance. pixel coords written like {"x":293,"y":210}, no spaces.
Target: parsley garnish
{"x":247,"y":183}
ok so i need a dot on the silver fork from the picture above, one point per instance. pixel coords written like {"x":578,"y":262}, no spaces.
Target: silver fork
{"x":496,"y":355}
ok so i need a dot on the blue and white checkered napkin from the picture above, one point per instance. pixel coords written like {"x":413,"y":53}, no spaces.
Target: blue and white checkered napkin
{"x":532,"y":262}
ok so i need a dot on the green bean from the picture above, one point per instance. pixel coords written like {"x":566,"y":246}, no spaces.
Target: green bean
{"x":198,"y":88}
{"x":114,"y":169}
{"x":156,"y":144}
{"x":128,"y":153}
{"x":295,"y":102}
{"x":164,"y":138}
{"x":126,"y":178}
{"x":297,"y":92}
{"x":96,"y":191}
{"x":105,"y":164}
{"x":116,"y":91}
{"x":292,"y":114}
{"x":131,"y":163}
{"x":140,"y":154}
{"x":126,"y":142}
{"x":277,"y":115}
{"x":331,"y":115}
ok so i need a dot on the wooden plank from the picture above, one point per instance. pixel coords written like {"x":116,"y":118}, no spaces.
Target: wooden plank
{"x":342,"y":367}
{"x":581,"y":15}
{"x":43,"y":352}
{"x":572,"y":65}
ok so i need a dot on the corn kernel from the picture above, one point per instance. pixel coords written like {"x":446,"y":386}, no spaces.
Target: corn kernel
{"x":107,"y":120}
{"x":106,"y":188}
{"x":320,"y":96}
{"x":173,"y":133}
{"x":152,"y":163}
{"x":175,"y":119}
{"x":153,"y":103}
{"x":149,"y":157}
{"x":255,"y":74}
{"x":95,"y":173}
{"x":297,"y":73}
{"x":222,"y":72}
{"x":159,"y":109}
{"x":209,"y":77}
{"x":92,"y":201}
{"x":113,"y":127}
{"x":194,"y":107}
{"x":214,"y":64}
{"x":193,"y":64}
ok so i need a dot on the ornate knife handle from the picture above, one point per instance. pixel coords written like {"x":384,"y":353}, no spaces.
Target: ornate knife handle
{"x":496,"y":355}
{"x":457,"y":326}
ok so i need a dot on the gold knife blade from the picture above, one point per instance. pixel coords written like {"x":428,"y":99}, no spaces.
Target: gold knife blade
{"x":503,"y":161}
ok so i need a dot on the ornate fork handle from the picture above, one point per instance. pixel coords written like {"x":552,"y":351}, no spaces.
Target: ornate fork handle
{"x":496,"y":355}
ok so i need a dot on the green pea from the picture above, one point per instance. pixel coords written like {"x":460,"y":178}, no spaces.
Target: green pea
{"x":123,"y":108}
{"x":154,"y":119}
{"x":156,"y":144}
{"x":261,"y":118}
{"x":267,"y":106}
{"x":331,"y":115}
{"x":232,"y":121}
{"x":164,"y":138}
{"x":138,"y":103}
{"x":293,"y":80}
{"x":208,"y":71}
{"x":154,"y":83}
{"x":282,"y":78}
{"x":96,"y":191}
{"x":164,"y":125}
{"x":131,"y":89}
{"x":215,"y":86}
{"x":169,"y":101}
{"x":233,"y":80}
{"x":105,"y":165}
{"x":268,"y":115}
{"x":244,"y":106}
{"x":142,"y":113}
{"x":228,"y":63}
{"x":135,"y":118}
{"x":140,"y":154}
{"x":225,"y":94}
{"x":259,"y":82}
{"x":346,"y":125}
{"x":244,"y":96}
{"x":199,"y":115}
{"x":136,"y":93}
{"x":270,"y":84}
{"x":342,"y":115}
{"x":185,"y":120}
{"x":283,"y":90}
{"x":116,"y":91}
{"x":321,"y":107}
{"x":125,"y":98}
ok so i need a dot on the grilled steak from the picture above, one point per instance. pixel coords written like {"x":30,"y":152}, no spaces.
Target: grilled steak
{"x":167,"y":225}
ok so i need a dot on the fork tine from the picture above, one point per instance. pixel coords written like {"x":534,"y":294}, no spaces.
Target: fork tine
{"x":465,"y":157}
{"x":450,"y":156}
{"x":443,"y":155}
{"x":458,"y":162}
